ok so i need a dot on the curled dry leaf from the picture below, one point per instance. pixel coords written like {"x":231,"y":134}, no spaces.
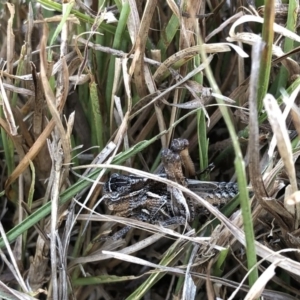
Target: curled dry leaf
{"x":251,"y":39}
{"x":277,"y":28}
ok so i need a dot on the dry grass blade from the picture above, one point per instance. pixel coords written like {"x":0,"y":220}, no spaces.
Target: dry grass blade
{"x":14,"y":266}
{"x":10,"y":39}
{"x":57,"y":159}
{"x":136,"y":260}
{"x":256,"y":178}
{"x":258,"y":288}
{"x":10,"y":293}
{"x":38,"y":267}
{"x":7,"y":111}
{"x":94,"y":257}
{"x":51,"y":101}
{"x":137,"y":66}
{"x":277,"y":122}
{"x":30,"y":155}
{"x":223,"y":25}
{"x":189,"y":288}
{"x":18,"y":90}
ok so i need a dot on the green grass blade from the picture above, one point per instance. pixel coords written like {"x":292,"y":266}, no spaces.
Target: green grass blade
{"x":66,"y":14}
{"x":241,"y":178}
{"x":266,"y":57}
{"x":97,"y":116}
{"x":116,"y":45}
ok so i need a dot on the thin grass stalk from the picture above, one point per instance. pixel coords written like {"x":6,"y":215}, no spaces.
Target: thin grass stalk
{"x":203,"y":158}
{"x":102,"y":279}
{"x":97,"y":122}
{"x":56,"y":164}
{"x":13,"y":266}
{"x":10,"y":49}
{"x":77,"y":251}
{"x":241,"y":177}
{"x":201,"y":123}
{"x":29,"y":202}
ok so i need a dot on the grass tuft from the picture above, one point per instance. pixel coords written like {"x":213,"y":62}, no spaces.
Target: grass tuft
{"x":91,"y":90}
